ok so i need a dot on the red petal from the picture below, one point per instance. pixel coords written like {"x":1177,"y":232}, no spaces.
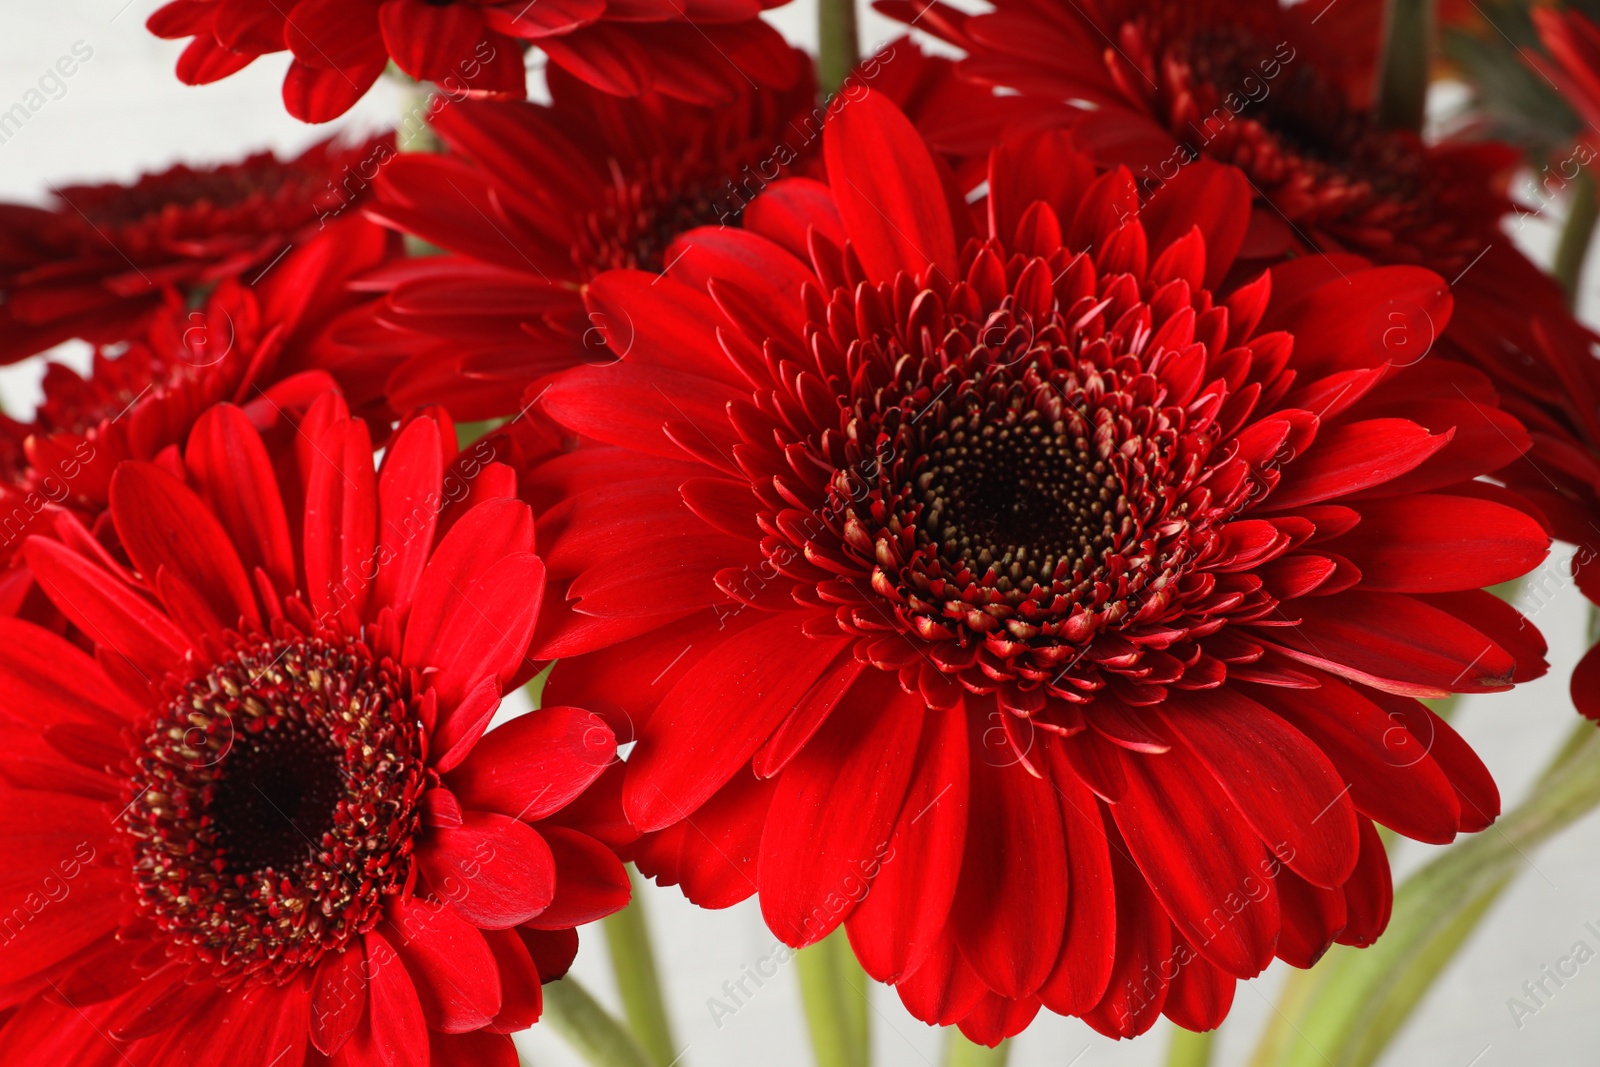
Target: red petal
{"x":319,"y":94}
{"x":233,"y":473}
{"x":900,"y":921}
{"x":1312,"y":918}
{"x":1281,"y":782}
{"x":889,"y":193}
{"x":430,"y":42}
{"x":832,"y":813}
{"x":1431,"y":543}
{"x":1392,"y":778}
{"x":1396,"y":643}
{"x":1145,"y":955}
{"x":713,"y":856}
{"x":718,"y":715}
{"x":121,"y":622}
{"x":338,"y":999}
{"x":495,"y":871}
{"x":535,"y":764}
{"x":1369,"y":894}
{"x":1200,"y":994}
{"x":944,"y":988}
{"x":408,"y":512}
{"x":591,"y":882}
{"x":521,"y":1001}
{"x":161,"y":523}
{"x":1088,"y":947}
{"x":1011,"y":904}
{"x":1198,"y":855}
{"x":393,"y":1032}
{"x":450,"y":965}
{"x":1351,"y":456}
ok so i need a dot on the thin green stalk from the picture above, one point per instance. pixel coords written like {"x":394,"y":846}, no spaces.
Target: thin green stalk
{"x":594,"y":1033}
{"x":839,"y":47}
{"x":1347,"y":1011}
{"x":959,"y":1052}
{"x":834,"y":992}
{"x":633,"y":961}
{"x":1403,"y":72}
{"x":1575,"y":236}
{"x":1189,"y":1049}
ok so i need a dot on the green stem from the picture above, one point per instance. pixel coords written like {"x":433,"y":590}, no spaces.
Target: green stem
{"x":1347,"y":1011}
{"x":1189,"y":1049}
{"x":834,"y":991}
{"x":959,"y":1052}
{"x":839,"y":43}
{"x":594,"y":1033}
{"x":633,"y":961}
{"x":1403,"y":73}
{"x":1575,"y":236}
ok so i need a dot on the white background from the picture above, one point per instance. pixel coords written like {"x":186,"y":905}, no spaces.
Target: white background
{"x":125,"y":111}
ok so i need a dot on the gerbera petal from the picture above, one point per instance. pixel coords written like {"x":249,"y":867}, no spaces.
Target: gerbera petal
{"x":831,"y":816}
{"x":1014,"y":875}
{"x":119,"y":619}
{"x":536,"y":763}
{"x":430,"y":41}
{"x":1200,"y":994}
{"x":718,"y":715}
{"x":900,"y":920}
{"x":497,"y":872}
{"x":592,"y":882}
{"x":1432,"y":543}
{"x":451,"y":967}
{"x":521,"y":1001}
{"x":162,"y":523}
{"x":408,"y":512}
{"x":1088,"y":945}
{"x":1281,"y":782}
{"x":1132,"y":1002}
{"x":486,"y":629}
{"x":889,"y":193}
{"x":393,"y":1032}
{"x":944,"y":988}
{"x":713,"y":856}
{"x":338,"y":999}
{"x":1197,"y":852}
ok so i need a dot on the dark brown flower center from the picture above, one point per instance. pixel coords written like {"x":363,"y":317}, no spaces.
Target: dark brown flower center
{"x":1010,"y":482}
{"x":275,"y":805}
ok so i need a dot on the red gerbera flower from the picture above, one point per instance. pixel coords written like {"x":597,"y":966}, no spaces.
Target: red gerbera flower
{"x":535,"y":201}
{"x":703,"y":50}
{"x":1284,"y":93}
{"x":97,"y":263}
{"x":1051,"y":622}
{"x":263,"y":347}
{"x":261,"y":822}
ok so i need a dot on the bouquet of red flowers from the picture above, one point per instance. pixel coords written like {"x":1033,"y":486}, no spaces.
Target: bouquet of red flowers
{"x":1017,"y":505}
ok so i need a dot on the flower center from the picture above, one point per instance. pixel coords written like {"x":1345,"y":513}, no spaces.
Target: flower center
{"x":274,"y":805}
{"x":641,"y":216}
{"x":1010,"y":483}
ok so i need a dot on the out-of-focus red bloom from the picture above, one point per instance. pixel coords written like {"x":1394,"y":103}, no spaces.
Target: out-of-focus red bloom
{"x":266,"y":348}
{"x":703,"y":50}
{"x":98,"y":262}
{"x":533,"y":201}
{"x":1574,"y":62}
{"x":1024,"y":595}
{"x":267,"y":784}
{"x":1284,"y":93}
{"x":1561,"y":472}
